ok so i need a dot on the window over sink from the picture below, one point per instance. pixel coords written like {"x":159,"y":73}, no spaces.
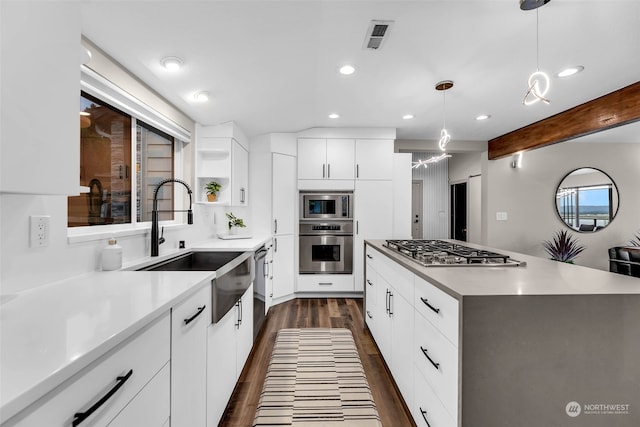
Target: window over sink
{"x":122,"y":158}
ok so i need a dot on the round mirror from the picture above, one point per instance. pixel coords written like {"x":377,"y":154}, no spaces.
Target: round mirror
{"x":587,"y":199}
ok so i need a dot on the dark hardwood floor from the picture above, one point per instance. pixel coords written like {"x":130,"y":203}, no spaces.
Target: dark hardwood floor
{"x":310,"y":313}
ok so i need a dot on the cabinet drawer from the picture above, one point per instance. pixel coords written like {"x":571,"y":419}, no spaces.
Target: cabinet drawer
{"x":325,"y":283}
{"x":437,"y":359}
{"x":438,"y":308}
{"x":428,"y":411}
{"x":150,"y":407}
{"x":396,"y":275}
{"x":143,"y":355}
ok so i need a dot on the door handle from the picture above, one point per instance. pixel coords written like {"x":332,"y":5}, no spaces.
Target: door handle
{"x":357,"y":171}
{"x":323,"y":166}
{"x":242,"y":195}
{"x":275,"y":245}
{"x":79,"y":417}
{"x":328,"y":170}
{"x":198,"y":313}
{"x":275,"y":226}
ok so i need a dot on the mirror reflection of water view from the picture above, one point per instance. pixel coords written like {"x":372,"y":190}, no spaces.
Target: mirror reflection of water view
{"x":587,"y":199}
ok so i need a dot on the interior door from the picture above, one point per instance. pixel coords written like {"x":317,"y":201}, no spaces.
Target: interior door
{"x":416,"y":209}
{"x":459,"y":211}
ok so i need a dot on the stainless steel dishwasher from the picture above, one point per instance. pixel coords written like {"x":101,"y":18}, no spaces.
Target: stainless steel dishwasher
{"x":259,"y":291}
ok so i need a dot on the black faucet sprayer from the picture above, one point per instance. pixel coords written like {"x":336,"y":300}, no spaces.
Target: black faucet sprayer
{"x":155,"y":240}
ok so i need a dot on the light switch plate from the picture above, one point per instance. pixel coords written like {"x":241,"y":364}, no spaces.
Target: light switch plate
{"x":501,"y":216}
{"x":39,"y":230}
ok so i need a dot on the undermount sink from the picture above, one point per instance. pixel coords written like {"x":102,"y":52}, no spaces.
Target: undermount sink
{"x":194,"y":261}
{"x":234,"y":274}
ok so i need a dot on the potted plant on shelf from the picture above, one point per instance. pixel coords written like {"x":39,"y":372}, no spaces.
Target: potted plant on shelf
{"x":234,"y":223}
{"x":212,"y":190}
{"x":564,"y":247}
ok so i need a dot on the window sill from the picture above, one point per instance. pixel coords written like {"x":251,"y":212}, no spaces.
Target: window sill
{"x":103,"y":232}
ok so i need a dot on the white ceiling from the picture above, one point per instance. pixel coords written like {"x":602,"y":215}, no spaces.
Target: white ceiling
{"x":271,"y":66}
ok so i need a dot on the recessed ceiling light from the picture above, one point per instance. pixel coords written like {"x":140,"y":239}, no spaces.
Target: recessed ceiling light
{"x":408,"y":117}
{"x":202,"y":96}
{"x":347,"y":70}
{"x":483,"y":117}
{"x":334,"y":116}
{"x":171,"y":63}
{"x":570,"y":71}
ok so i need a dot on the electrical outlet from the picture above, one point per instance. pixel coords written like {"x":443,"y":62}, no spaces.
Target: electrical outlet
{"x":39,"y":231}
{"x":501,"y":216}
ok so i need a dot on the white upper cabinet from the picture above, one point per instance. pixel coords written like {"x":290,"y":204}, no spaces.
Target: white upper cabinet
{"x":221,"y":155}
{"x":239,"y":174}
{"x":326,"y":158}
{"x":40,"y":97}
{"x":374,"y":159}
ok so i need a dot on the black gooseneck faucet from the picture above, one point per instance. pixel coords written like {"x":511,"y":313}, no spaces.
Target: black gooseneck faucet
{"x":155,"y":240}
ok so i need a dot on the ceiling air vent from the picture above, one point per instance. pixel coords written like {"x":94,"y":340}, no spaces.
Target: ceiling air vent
{"x":376,"y":34}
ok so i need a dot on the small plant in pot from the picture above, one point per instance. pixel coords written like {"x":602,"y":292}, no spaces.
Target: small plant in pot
{"x":212,"y":190}
{"x":564,"y":247}
{"x":234,"y":223}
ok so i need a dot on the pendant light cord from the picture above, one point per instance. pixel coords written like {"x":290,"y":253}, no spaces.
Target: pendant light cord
{"x":537,"y":42}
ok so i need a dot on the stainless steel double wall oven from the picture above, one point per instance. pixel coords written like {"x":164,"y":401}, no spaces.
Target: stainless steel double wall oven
{"x":326,"y":232}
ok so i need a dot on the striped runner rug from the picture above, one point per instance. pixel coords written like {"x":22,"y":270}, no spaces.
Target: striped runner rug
{"x":315,"y":378}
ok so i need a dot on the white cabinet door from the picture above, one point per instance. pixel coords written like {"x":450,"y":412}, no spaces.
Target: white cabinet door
{"x":284,"y":194}
{"x":340,"y":158}
{"x":383,"y":321}
{"x":312,"y":156}
{"x":374,"y":159}
{"x":221,"y":366}
{"x":40,"y":150}
{"x":373,"y":214}
{"x":401,"y":343}
{"x":244,"y":330}
{"x":189,"y":321}
{"x":150,"y":407}
{"x":268,"y":278}
{"x":239,"y":174}
{"x":283,"y":261}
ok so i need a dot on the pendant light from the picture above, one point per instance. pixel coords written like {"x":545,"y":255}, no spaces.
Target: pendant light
{"x":445,"y":136}
{"x":539,"y":82}
{"x":432,"y":159}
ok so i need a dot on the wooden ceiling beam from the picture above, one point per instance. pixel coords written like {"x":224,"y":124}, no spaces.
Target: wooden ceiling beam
{"x":611,"y":110}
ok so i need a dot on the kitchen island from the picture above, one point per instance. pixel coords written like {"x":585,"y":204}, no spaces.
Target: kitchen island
{"x":540,"y":344}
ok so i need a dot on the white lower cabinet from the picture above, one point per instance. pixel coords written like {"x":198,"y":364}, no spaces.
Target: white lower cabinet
{"x":283,"y":272}
{"x":129,"y":381}
{"x":189,"y":321}
{"x":391,"y":317}
{"x":325,"y":283}
{"x":229,"y":343}
{"x":427,"y":409}
{"x":151,"y":406}
{"x":415,"y":326}
{"x":437,"y":360}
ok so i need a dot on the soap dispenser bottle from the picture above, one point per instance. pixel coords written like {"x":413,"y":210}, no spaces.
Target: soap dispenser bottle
{"x":112,"y":256}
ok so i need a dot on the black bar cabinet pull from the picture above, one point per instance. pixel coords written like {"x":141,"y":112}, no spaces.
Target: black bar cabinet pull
{"x":386,"y":301}
{"x":198,"y":313}
{"x":369,"y":256}
{"x":323,"y":166}
{"x":369,"y":314}
{"x":369,"y":282}
{"x":424,"y":415}
{"x":424,"y":351}
{"x":426,"y":302}
{"x":390,"y":304}
{"x":79,"y":417}
{"x":240,"y":307}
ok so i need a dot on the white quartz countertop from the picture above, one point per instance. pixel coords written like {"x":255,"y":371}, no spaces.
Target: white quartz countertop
{"x":539,"y":277}
{"x":50,"y":333}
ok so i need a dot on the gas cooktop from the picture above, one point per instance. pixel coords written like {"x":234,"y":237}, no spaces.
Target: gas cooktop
{"x":434,"y":253}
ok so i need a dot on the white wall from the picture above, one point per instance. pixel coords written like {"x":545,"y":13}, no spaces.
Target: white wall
{"x":527,"y":195}
{"x":24,"y":268}
{"x":464,"y":165}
